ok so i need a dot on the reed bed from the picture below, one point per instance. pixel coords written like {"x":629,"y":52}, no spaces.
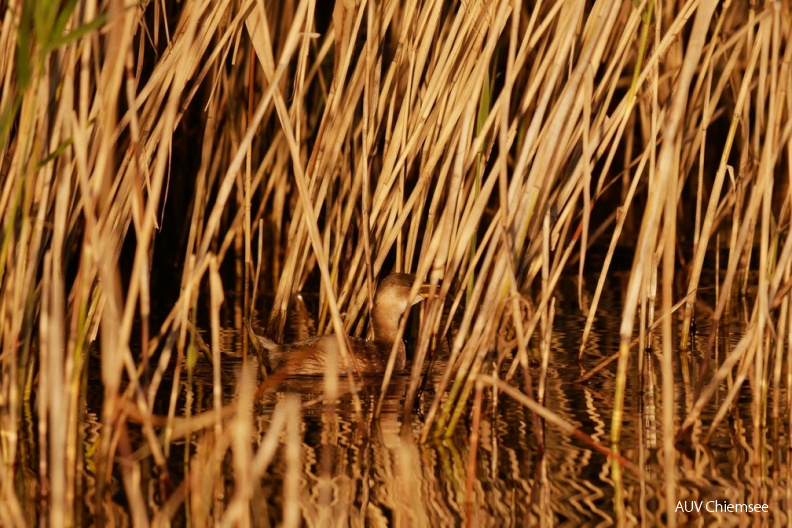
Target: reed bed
{"x":487,"y":147}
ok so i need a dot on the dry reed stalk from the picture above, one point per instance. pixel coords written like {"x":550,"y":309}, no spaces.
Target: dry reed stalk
{"x":10,"y":510}
{"x":476,"y":145}
{"x":715,"y":193}
{"x":471,"y":465}
{"x":237,"y":513}
{"x":339,"y":328}
{"x":217,"y":298}
{"x":647,"y":239}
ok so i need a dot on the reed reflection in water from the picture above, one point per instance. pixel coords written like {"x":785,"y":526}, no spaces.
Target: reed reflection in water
{"x":289,"y":457}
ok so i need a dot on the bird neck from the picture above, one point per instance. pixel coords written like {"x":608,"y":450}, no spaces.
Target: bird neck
{"x":385,"y":324}
{"x":386,"y":327}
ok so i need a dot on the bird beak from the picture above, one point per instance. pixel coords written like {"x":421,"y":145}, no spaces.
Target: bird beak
{"x":424,"y":291}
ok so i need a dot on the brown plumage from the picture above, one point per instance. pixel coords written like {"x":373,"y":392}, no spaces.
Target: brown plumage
{"x":310,"y":357}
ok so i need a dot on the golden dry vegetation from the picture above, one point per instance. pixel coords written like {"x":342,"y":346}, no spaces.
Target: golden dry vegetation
{"x":487,"y":147}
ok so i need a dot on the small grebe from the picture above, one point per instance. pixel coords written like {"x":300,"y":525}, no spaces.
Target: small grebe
{"x":310,"y":356}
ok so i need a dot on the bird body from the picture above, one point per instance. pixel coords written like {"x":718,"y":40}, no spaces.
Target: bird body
{"x":310,"y":357}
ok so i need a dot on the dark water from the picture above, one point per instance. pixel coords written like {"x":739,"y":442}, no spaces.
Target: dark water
{"x":354,"y":470}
